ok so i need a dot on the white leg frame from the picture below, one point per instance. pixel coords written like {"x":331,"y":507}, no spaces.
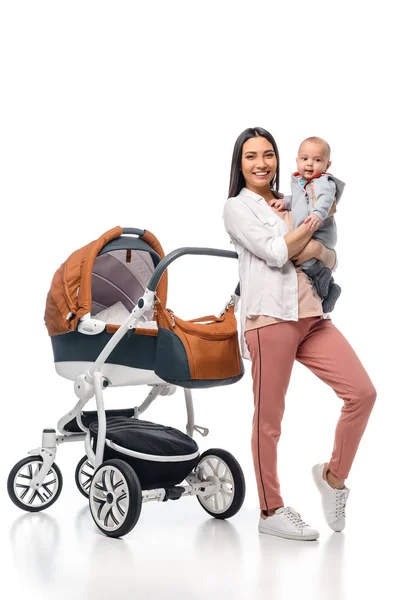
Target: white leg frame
{"x":50,"y":441}
{"x":90,"y":384}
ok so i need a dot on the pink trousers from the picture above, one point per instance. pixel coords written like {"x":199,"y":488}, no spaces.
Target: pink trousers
{"x":316,"y":343}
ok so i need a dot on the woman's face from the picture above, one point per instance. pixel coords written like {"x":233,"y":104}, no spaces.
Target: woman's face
{"x":258,"y":163}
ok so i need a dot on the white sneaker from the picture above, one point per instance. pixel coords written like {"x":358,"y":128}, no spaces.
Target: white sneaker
{"x":287,"y":523}
{"x":333,"y":500}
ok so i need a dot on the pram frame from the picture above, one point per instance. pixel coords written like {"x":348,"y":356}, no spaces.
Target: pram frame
{"x":91,"y":383}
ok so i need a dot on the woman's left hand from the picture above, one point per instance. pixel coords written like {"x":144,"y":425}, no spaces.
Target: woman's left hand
{"x":311,"y":250}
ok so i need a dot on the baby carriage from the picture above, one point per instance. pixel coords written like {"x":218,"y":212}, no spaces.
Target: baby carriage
{"x":109,"y":328}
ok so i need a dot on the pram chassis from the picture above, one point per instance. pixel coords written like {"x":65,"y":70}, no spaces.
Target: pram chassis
{"x":91,"y":384}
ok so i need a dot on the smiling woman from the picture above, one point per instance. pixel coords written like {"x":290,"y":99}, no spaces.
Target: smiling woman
{"x":255,"y":162}
{"x":283,"y":321}
{"x":259,"y":164}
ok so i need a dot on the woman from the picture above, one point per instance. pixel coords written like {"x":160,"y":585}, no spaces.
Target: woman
{"x":283,"y":321}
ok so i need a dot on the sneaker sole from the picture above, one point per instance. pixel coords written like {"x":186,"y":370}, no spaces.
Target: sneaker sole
{"x":304,"y":538}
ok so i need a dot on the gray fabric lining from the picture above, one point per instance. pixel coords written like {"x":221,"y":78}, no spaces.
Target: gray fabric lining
{"x":113,"y":279}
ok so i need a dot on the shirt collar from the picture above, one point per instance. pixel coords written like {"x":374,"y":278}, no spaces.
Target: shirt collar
{"x":246,"y":192}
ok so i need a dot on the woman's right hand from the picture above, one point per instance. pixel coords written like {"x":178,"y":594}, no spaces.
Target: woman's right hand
{"x":278,"y":204}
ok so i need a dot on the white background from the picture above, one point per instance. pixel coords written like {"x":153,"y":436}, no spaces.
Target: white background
{"x":126,"y":113}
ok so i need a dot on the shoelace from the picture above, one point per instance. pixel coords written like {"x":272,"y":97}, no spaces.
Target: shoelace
{"x":340,"y":503}
{"x":294,"y":517}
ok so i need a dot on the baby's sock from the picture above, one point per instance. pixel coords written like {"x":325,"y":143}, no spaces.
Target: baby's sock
{"x":334,"y":292}
{"x":321,"y":277}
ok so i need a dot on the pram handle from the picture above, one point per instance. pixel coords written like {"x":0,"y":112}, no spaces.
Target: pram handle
{"x":165,"y":262}
{"x":133,"y":231}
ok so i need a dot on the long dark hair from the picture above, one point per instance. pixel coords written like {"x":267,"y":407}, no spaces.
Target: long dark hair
{"x":237,"y":181}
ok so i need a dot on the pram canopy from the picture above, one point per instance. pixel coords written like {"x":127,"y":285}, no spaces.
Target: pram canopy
{"x":114,"y":268}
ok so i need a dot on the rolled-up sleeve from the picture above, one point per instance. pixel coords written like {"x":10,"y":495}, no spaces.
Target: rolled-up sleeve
{"x":243,"y":226}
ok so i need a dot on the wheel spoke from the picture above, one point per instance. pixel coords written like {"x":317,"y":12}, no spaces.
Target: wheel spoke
{"x":37,"y":470}
{"x":85,"y":477}
{"x":208,"y":461}
{"x":211,"y":467}
{"x":117,"y":485}
{"x":226,"y":472}
{"x":107,"y":479}
{"x":113,"y":517}
{"x":30,"y":470}
{"x":40,"y":496}
{"x":50,"y":493}
{"x":110,"y":514}
{"x":22,"y":496}
{"x":98,"y":497}
{"x":121,"y":510}
{"x":31,"y":499}
{"x":99,"y":487}
{"x":101,"y":504}
{"x":24,"y":476}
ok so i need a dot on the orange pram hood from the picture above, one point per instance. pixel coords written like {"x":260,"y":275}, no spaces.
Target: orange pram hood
{"x":70,"y":294}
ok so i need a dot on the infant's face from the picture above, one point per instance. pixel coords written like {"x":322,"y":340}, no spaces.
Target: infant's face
{"x":312,"y":159}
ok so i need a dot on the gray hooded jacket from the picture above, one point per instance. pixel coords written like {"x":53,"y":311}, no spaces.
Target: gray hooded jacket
{"x":316,"y":197}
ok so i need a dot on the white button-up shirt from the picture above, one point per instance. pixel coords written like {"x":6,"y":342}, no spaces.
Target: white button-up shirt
{"x":268,"y":280}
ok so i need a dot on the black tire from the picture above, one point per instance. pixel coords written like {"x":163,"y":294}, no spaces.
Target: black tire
{"x":84,"y":486}
{"x":238,"y":488}
{"x":44,"y":493}
{"x":112,"y":475}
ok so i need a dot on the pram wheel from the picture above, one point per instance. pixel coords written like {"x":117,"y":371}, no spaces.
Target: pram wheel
{"x":84,"y":475}
{"x":221,"y":467}
{"x":19,"y":485}
{"x":115,"y":498}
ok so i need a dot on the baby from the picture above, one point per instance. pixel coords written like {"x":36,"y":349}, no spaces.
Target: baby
{"x":313,"y":193}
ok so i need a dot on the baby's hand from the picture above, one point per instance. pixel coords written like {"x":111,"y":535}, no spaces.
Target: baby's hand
{"x":313,"y":222}
{"x":279,"y":204}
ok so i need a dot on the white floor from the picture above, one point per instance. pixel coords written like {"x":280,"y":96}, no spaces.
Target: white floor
{"x":177,"y":551}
